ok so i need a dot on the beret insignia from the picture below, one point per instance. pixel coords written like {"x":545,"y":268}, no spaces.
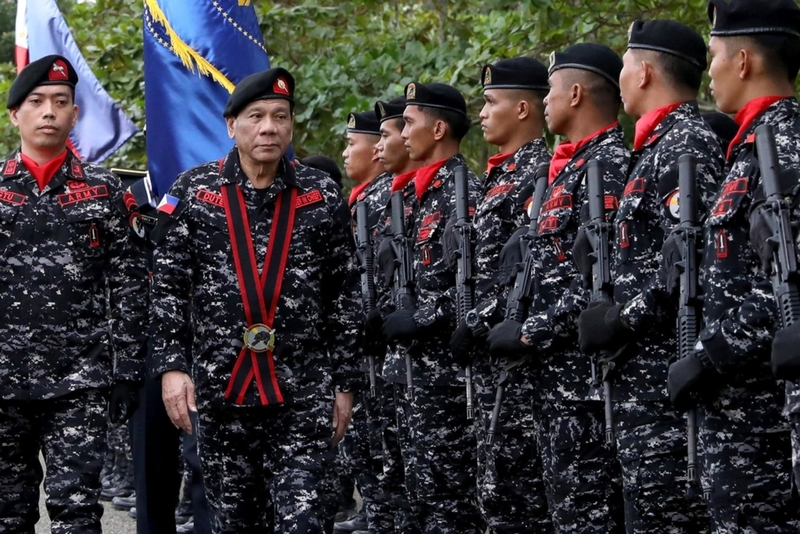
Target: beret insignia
{"x":411,"y":91}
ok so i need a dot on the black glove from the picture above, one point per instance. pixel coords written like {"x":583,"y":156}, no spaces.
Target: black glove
{"x":504,"y":341}
{"x":786,"y":353}
{"x":400,"y":326}
{"x":581,"y":250}
{"x":461,"y":343}
{"x":123,"y":402}
{"x":685,"y":378}
{"x":760,"y":233}
{"x":669,"y":273}
{"x":451,"y":242}
{"x":386,"y":260}
{"x":373,"y":324}
{"x":600,"y":328}
{"x":511,"y":258}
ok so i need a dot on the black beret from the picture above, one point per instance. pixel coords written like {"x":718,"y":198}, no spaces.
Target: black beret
{"x":436,"y":95}
{"x":747,"y":17}
{"x":723,"y":126}
{"x":264,"y":85}
{"x":669,"y":37}
{"x":516,"y":73}
{"x":365,"y":123}
{"x":49,"y":70}
{"x":596,"y":58}
{"x":393,"y":109}
{"x":324,"y":164}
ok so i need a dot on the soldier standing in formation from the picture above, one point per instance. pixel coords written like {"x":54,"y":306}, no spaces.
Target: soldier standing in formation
{"x":67,"y":232}
{"x":264,"y":402}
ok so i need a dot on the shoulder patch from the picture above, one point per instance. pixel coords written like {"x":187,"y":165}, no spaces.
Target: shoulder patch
{"x":88,"y":193}
{"x":137,"y":225}
{"x":11,"y":168}
{"x":499,"y":190}
{"x":309,"y":198}
{"x":12,"y":198}
{"x":673,"y":205}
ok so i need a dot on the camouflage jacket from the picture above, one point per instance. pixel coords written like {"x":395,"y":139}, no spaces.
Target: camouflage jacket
{"x":507,"y":192}
{"x":318,"y":317}
{"x":62,"y":248}
{"x":738,"y":307}
{"x":433,"y":363}
{"x":565,"y":373}
{"x":647,"y":214}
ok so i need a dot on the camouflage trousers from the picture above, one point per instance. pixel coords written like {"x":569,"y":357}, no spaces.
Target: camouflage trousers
{"x":444,"y":451}
{"x":273,"y":463}
{"x":651,"y":447}
{"x":399,"y":463}
{"x":796,"y":455}
{"x":581,"y":476}
{"x":70,"y":432}
{"x":747,"y":480}
{"x":511,"y":492}
{"x":365,"y":456}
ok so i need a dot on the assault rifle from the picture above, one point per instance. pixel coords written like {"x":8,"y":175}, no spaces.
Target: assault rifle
{"x":403,"y":283}
{"x":597,"y":231}
{"x":521,"y":294}
{"x":687,"y":234}
{"x":366,"y":258}
{"x":777,"y":215}
{"x":465,"y":278}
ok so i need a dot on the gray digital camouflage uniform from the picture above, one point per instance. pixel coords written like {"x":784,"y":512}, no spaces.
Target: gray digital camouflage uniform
{"x":62,"y":247}
{"x":651,"y":435}
{"x":581,"y":475}
{"x":510,"y":488}
{"x":744,"y":439}
{"x":285,"y":446}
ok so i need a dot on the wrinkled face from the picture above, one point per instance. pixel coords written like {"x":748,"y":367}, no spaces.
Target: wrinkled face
{"x":418,"y":133}
{"x":45,"y":118}
{"x":629,"y":82}
{"x":262,"y":130}
{"x":498,"y":116}
{"x":557,"y":102}
{"x":359,"y":156}
{"x":391,"y":148}
{"x":724,"y":76}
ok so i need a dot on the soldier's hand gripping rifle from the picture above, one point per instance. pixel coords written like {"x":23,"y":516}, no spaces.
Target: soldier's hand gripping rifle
{"x":776,"y":212}
{"x":597,"y":231}
{"x":521,"y":294}
{"x":465,"y":279}
{"x":687,"y":235}
{"x":403,"y":283}
{"x":366,"y":258}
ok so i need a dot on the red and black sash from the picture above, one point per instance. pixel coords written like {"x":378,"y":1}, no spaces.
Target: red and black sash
{"x":259,"y":292}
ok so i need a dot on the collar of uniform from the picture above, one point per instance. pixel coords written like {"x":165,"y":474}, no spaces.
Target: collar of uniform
{"x":425,"y":176}
{"x":496,"y":161}
{"x":748,"y":115}
{"x":648,"y":123}
{"x":565,"y":152}
{"x":400,"y":181}
{"x":231,"y":170}
{"x":358,"y":190}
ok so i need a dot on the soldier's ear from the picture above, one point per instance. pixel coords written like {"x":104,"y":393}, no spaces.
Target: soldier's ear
{"x":439,"y":129}
{"x":645,"y":74}
{"x":12,"y":113}
{"x":523,"y":109}
{"x":229,"y":122}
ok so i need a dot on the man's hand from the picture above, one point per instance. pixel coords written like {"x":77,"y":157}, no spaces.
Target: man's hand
{"x":123,"y":402}
{"x":505,"y":340}
{"x":600,"y":328}
{"x":177,"y":391}
{"x":342,"y":412}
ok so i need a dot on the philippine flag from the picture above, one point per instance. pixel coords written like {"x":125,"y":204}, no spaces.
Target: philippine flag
{"x":168,"y":204}
{"x":102,"y":126}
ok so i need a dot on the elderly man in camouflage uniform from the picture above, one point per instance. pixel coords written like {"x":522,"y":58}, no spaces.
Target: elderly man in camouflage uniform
{"x":363,"y":444}
{"x":662,"y":70}
{"x":262,"y":246}
{"x":66,"y":230}
{"x":580,"y":474}
{"x":745,"y":442}
{"x":444,"y":447}
{"x":510,"y":489}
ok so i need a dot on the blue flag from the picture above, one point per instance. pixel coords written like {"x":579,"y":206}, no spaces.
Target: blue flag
{"x":195,"y":52}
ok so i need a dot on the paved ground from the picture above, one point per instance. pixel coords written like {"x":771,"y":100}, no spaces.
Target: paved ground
{"x":114,"y":521}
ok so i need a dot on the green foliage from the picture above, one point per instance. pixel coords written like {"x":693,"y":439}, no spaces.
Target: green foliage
{"x":347,"y":56}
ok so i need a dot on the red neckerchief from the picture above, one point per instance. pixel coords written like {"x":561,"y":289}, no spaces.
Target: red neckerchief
{"x":357,"y":190}
{"x":44,"y":173}
{"x":425,"y":177}
{"x":497,"y":159}
{"x":649,"y":122}
{"x":400,"y":181}
{"x":745,"y":117}
{"x":565,"y":151}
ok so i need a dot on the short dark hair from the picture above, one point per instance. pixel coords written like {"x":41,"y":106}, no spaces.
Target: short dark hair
{"x":399,"y":123}
{"x":458,"y":123}
{"x":533,"y":96}
{"x":604,"y":94}
{"x":781,"y":52}
{"x":676,"y":70}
